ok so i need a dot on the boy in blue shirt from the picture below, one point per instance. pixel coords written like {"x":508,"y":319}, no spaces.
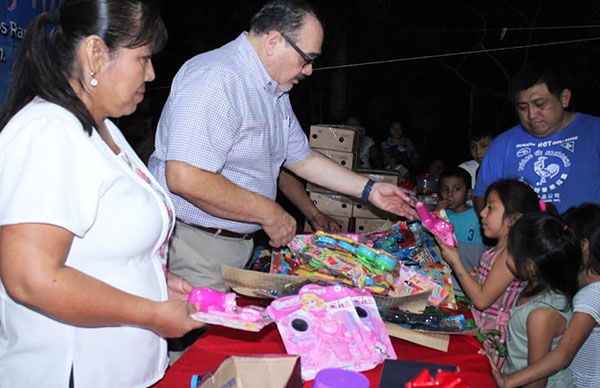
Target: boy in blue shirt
{"x":455,"y":191}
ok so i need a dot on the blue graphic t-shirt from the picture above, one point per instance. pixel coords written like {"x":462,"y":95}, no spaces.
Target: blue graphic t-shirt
{"x":563,"y":168}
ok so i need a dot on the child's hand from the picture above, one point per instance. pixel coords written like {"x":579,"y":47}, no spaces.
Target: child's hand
{"x":501,"y":380}
{"x":443,"y":204}
{"x":449,"y":254}
{"x":474,"y":271}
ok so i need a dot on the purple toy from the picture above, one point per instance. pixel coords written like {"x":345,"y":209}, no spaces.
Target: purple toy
{"x":440,"y":228}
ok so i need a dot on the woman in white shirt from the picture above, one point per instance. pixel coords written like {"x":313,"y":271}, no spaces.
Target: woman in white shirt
{"x":85,"y":299}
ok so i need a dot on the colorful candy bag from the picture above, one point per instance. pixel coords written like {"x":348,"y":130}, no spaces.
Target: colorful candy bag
{"x":346,"y":260}
{"x":441,"y":274}
{"x":417,"y":282}
{"x":401,"y":261}
{"x":321,"y":324}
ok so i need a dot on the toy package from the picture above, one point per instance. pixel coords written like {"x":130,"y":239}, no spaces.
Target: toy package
{"x":429,"y":321}
{"x":418,"y":252}
{"x":324,"y":326}
{"x":345,"y":260}
{"x":219,"y":308}
{"x":367,"y":311}
{"x":401,"y":261}
{"x":442,"y":275}
{"x":417,"y":283}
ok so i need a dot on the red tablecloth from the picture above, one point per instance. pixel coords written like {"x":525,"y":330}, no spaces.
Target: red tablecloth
{"x":219,"y":342}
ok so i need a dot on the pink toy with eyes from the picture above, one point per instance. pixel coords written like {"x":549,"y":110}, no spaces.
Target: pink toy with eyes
{"x":221,"y":309}
{"x":443,"y":230}
{"x":321,"y":324}
{"x":208,"y":299}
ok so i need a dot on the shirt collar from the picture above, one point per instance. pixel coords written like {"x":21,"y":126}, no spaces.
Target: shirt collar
{"x":257,"y":69}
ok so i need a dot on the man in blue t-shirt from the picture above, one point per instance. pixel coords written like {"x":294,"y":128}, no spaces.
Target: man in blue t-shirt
{"x":555,"y":151}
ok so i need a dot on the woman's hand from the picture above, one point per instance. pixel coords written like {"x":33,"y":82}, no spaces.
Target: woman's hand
{"x":172,"y":319}
{"x":178,"y":287}
{"x":173,"y":316}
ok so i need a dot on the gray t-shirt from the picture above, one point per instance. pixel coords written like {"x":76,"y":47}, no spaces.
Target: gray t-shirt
{"x":517,"y":335}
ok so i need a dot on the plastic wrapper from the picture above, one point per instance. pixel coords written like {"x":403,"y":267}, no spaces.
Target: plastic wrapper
{"x":332,"y":327}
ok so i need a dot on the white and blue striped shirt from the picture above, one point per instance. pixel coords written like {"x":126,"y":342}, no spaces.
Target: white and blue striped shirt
{"x":585,"y":367}
{"x":224,"y":115}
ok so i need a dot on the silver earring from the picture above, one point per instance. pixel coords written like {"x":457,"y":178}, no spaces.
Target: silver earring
{"x":93,"y":80}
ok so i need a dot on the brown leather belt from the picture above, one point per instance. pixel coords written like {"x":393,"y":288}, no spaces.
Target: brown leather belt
{"x":224,"y":232}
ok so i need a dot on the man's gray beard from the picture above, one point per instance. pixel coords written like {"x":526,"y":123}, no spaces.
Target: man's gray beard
{"x":284,"y":88}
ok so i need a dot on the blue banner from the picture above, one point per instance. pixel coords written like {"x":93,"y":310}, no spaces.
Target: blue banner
{"x":15,"y":17}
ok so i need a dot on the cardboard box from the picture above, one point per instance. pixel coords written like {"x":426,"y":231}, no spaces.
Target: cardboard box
{"x":346,"y":159}
{"x":381,"y":176}
{"x":369,"y":225}
{"x":344,"y":223}
{"x":265,"y":371}
{"x":366,"y":210}
{"x":335,"y":137}
{"x":246,"y":282}
{"x":332,"y":204}
{"x":312,"y":188}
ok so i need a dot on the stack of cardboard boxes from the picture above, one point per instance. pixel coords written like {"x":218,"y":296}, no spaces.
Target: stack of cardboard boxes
{"x":340,"y":143}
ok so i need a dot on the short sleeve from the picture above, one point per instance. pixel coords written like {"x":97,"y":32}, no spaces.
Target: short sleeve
{"x":50,"y":172}
{"x":587,"y":300}
{"x":490,"y":169}
{"x":298,"y":147}
{"x":202,"y":118}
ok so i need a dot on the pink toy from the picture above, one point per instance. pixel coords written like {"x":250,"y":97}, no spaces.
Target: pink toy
{"x":322,"y":325}
{"x":366,"y":308}
{"x":208,"y":299}
{"x":440,"y":228}
{"x":221,"y":308}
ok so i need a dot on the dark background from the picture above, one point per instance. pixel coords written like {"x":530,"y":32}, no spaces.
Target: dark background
{"x":437,"y":98}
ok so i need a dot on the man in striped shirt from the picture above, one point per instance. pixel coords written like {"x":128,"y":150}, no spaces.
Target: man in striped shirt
{"x":226,"y":130}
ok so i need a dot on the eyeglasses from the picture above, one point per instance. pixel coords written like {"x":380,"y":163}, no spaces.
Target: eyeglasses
{"x":307,"y":59}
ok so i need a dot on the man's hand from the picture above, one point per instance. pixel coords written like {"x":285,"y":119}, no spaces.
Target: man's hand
{"x":323,"y":222}
{"x":280,"y":227}
{"x":393,"y":199}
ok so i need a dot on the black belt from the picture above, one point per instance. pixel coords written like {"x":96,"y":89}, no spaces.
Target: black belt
{"x":223,"y":232}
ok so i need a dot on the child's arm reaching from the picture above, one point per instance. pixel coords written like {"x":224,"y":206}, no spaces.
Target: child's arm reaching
{"x":577,"y":331}
{"x":482,"y":295}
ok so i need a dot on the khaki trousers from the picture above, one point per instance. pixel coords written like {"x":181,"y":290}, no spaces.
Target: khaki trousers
{"x":197,"y":255}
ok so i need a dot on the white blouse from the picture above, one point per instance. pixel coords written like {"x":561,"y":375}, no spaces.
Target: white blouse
{"x":52,"y":172}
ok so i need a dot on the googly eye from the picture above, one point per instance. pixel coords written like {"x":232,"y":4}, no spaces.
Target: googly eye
{"x":300,"y":325}
{"x":361,"y":312}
